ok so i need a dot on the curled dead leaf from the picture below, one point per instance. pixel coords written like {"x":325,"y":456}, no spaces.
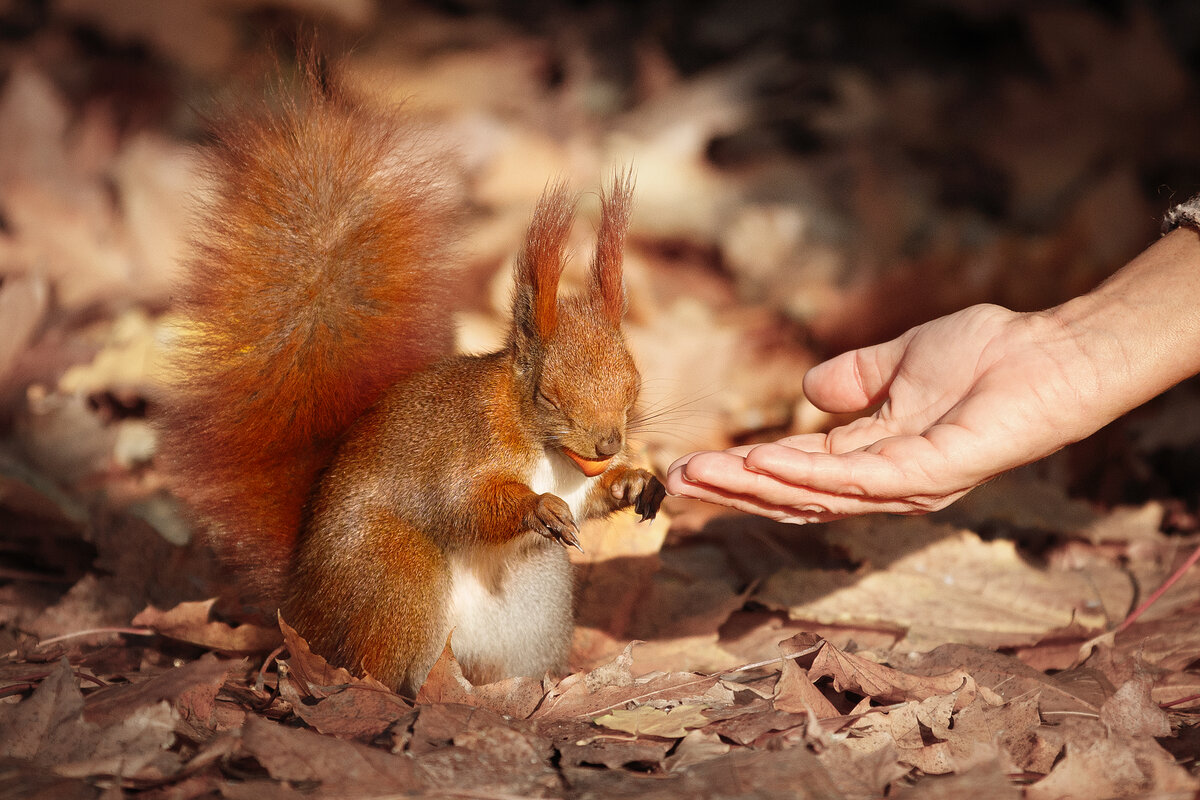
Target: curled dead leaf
{"x":190,"y":622}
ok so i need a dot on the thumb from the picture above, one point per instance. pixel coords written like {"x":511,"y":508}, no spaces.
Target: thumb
{"x":855,"y":380}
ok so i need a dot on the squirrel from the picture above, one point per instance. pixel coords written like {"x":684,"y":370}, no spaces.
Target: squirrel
{"x":384,"y":493}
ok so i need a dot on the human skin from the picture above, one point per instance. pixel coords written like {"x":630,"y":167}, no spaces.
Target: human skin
{"x":968,"y":396}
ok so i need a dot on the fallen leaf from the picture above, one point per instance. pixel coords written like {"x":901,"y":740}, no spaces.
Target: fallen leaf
{"x":191,"y":688}
{"x":344,"y":767}
{"x":1010,"y":678}
{"x":1016,"y":728}
{"x":1098,"y":764}
{"x":492,"y":759}
{"x":355,"y":711}
{"x":696,"y":747}
{"x":1131,"y":711}
{"x":515,"y":697}
{"x":671,"y":723}
{"x":313,"y":675}
{"x":940,"y":584}
{"x":189,"y":622}
{"x":879,"y":682}
{"x":43,"y":727}
{"x":445,"y":682}
{"x":796,"y":694}
{"x":986,"y":779}
{"x":571,"y":698}
{"x":862,"y":775}
{"x":49,"y":730}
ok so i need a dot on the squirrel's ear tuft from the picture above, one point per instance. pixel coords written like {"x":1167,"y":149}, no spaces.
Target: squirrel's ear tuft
{"x":540,"y":263}
{"x":608,"y":285}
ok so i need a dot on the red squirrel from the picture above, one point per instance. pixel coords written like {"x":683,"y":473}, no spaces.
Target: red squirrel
{"x":385,"y":494}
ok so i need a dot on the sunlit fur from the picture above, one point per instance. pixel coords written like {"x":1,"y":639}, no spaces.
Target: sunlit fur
{"x":385,"y":494}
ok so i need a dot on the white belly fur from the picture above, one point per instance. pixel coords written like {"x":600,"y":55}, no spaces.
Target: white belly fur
{"x":510,"y":606}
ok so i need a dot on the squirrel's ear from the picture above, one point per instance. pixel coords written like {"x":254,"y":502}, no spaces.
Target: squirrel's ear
{"x":539,"y":265}
{"x":608,"y":286}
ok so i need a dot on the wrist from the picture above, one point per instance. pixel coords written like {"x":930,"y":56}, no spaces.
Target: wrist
{"x":1138,"y":333}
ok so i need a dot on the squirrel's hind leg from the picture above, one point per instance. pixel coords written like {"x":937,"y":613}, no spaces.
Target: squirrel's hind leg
{"x":381,"y":611}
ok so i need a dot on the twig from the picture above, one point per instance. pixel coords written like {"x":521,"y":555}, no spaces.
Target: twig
{"x":1175,"y":576}
{"x":260,"y":682}
{"x":90,"y":632}
{"x":1180,"y":701}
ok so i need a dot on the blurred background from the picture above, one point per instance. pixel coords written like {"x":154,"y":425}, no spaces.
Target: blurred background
{"x":811,"y":177}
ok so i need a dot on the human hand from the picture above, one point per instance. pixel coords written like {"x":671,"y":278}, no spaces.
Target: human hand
{"x":960,"y":400}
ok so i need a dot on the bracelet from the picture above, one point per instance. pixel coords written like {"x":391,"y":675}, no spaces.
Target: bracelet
{"x":1186,"y":213}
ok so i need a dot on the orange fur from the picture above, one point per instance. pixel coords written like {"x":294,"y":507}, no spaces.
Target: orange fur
{"x":615,"y":208}
{"x":378,"y":490}
{"x":320,"y":279}
{"x":540,"y":263}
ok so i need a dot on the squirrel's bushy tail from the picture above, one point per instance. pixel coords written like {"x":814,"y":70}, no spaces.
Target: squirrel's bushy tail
{"x":320,"y":275}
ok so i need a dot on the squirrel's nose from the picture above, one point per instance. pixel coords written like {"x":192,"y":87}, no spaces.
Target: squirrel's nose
{"x":608,"y":444}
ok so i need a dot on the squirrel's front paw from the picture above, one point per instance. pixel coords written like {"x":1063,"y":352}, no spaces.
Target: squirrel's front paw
{"x":552,"y":518}
{"x":640,"y":489}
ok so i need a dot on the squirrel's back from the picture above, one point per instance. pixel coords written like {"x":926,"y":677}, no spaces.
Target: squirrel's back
{"x":321,"y":275}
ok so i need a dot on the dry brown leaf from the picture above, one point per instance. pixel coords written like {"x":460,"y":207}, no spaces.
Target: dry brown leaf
{"x":1131,"y":711}
{"x":986,"y":779}
{"x":1016,"y":728}
{"x":515,"y":697}
{"x":673,"y":723}
{"x":135,"y":747}
{"x":346,"y":768}
{"x":1098,"y":764}
{"x":189,"y":622}
{"x":943,"y":585}
{"x":1010,"y":678}
{"x":696,"y":747}
{"x":852,"y":672}
{"x":53,"y":713}
{"x":492,"y":760}
{"x":190,"y":688}
{"x":745,"y":726}
{"x":863,"y":775}
{"x":796,"y":694}
{"x":355,"y":711}
{"x":48,"y":729}
{"x":792,"y":773}
{"x":312,"y":675}
{"x":586,"y":695}
{"x":445,"y":682}
{"x":615,"y":752}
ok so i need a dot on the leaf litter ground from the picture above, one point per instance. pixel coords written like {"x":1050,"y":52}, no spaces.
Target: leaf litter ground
{"x":824,"y":189}
{"x":813,"y":686}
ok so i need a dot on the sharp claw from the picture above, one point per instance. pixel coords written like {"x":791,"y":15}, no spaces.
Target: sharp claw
{"x":569,"y":539}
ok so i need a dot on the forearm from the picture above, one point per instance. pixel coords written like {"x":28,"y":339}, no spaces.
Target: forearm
{"x":1139,"y":330}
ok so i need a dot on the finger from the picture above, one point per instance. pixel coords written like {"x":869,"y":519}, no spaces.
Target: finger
{"x":801,"y":505}
{"x":748,"y":504}
{"x":857,"y":379}
{"x":740,"y":450}
{"x":729,"y":474}
{"x":854,"y":435}
{"x":875,"y":472}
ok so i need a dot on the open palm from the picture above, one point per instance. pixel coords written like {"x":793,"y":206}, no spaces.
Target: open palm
{"x":957,"y":401}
